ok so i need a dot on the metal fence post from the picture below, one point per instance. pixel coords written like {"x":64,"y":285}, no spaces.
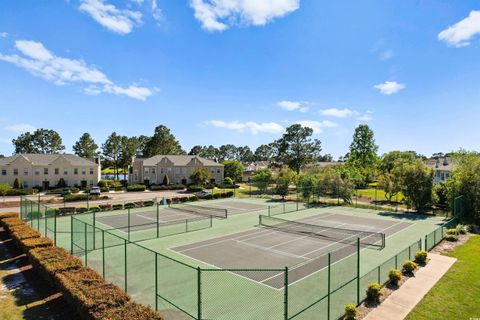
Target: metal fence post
{"x":199,"y":293}
{"x":86,"y":244}
{"x":156,"y":281}
{"x":358,"y":271}
{"x":158,"y":221}
{"x":126,"y":270}
{"x":71,"y":235}
{"x":328,"y":285}
{"x":128,"y":224}
{"x":103,"y":253}
{"x":55,"y":227}
{"x":286,"y":293}
{"x":94,"y":228}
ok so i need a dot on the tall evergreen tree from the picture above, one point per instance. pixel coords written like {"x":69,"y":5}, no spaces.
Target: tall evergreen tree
{"x":40,"y":141}
{"x":85,"y":147}
{"x":162,"y":142}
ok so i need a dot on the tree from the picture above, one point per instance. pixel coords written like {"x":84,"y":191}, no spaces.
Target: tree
{"x":111,"y":150}
{"x":196,"y":150}
{"x":306,"y":185}
{"x":4,"y":189}
{"x":200,"y":176}
{"x":162,"y":142}
{"x":285,"y":178}
{"x":417,"y":185}
{"x":40,"y":141}
{"x":233,"y":170}
{"x":262,"y":179}
{"x":16,"y":184}
{"x":390,"y":183}
{"x":61,"y":183}
{"x":296,"y":148}
{"x":128,"y":150}
{"x":265,"y":152}
{"x":326,"y":158}
{"x":363,"y":152}
{"x":228,"y":152}
{"x":244,"y":154}
{"x":85,"y":147}
{"x":209,"y":152}
{"x":331,"y":182}
{"x":389,"y":160}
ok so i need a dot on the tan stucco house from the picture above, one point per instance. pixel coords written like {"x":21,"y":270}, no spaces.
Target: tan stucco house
{"x":45,"y":170}
{"x":442,"y":168}
{"x":178,"y":168}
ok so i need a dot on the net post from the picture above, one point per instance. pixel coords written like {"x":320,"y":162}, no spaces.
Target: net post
{"x":125,"y":256}
{"x":283,"y":205}
{"x":329,"y":284}
{"x":420,"y":244}
{"x":31,"y":213}
{"x":286,"y":293}
{"x":358,"y":271}
{"x":199,"y":293}
{"x":103,"y":253}
{"x":409,"y":253}
{"x":378,"y":274}
{"x":128,"y":224}
{"x":158,"y":221}
{"x":156,"y":281}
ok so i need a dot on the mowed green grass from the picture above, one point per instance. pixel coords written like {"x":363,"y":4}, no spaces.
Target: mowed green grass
{"x":456,"y":295}
{"x":370,"y":192}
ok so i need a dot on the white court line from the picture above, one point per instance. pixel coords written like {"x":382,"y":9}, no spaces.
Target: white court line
{"x":283,"y":253}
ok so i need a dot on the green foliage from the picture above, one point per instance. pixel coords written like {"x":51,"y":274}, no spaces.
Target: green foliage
{"x":16,"y":184}
{"x":421,"y":257}
{"x":111,"y":150}
{"x":331,"y":182}
{"x":417,"y":185}
{"x":363,"y":152}
{"x":200,"y":176}
{"x":228,"y":181}
{"x":390,"y":183}
{"x":233,"y":170}
{"x":374,"y":292}
{"x":409,"y":266}
{"x":296,"y":148}
{"x":306,"y":184}
{"x":129,"y":205}
{"x":166,"y":180}
{"x":4,"y":189}
{"x":462,"y":229}
{"x":262,"y":179}
{"x":162,"y":142}
{"x":136,"y":187}
{"x":40,"y":141}
{"x":194,"y":188}
{"x":351,"y":312}
{"x":451,"y":238}
{"x":395,"y":276}
{"x":389,"y":160}
{"x":265,"y":152}
{"x":61,"y":183}
{"x":85,"y":147}
{"x":285,"y":178}
{"x":441,"y":194}
{"x":452,"y":232}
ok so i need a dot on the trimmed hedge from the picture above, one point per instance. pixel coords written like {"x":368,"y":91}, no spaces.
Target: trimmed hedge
{"x":167,"y":187}
{"x":136,"y":187}
{"x":33,"y":243}
{"x":117,"y":206}
{"x":64,"y":210}
{"x":53,"y":260}
{"x":6,"y":215}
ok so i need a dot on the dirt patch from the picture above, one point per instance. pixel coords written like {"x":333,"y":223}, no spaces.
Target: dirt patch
{"x":448,"y":246}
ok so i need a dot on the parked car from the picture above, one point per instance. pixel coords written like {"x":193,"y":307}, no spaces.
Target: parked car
{"x":66,"y":192}
{"x":95,"y":191}
{"x":203,"y":193}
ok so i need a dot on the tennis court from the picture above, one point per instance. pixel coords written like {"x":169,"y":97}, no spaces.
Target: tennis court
{"x":277,"y":242}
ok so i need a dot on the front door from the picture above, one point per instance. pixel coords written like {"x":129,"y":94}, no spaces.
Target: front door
{"x":46,"y":185}
{"x":84,"y":184}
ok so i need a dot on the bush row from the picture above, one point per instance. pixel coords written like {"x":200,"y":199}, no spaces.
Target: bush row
{"x":60,"y":190}
{"x":83,"y":288}
{"x":21,"y":192}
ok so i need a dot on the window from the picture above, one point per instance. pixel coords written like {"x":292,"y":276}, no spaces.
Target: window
{"x":4,"y":172}
{"x":57,"y":171}
{"x":25,"y":184}
{"x":37,"y":172}
{"x":153,"y":170}
{"x":75,"y":170}
{"x":177,"y":170}
{"x":218,"y":170}
{"x":25,"y":171}
{"x":146,"y":171}
{"x":15,"y":172}
{"x":84,"y":171}
{"x":91,"y":171}
{"x":65,"y":172}
{"x":45,"y":171}
{"x":161,"y":170}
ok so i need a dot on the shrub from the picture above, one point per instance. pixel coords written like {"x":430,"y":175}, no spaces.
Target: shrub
{"x":117,"y":206}
{"x":166,"y":180}
{"x":95,"y":209}
{"x":409,"y":266}
{"x":195,"y":188}
{"x":207,"y":197}
{"x":453,"y":232}
{"x":129,"y":205}
{"x":21,"y":192}
{"x":53,"y":260}
{"x":228,"y":181}
{"x":105,"y":207}
{"x":81,"y":209}
{"x":216,"y":196}
{"x":451,"y":238}
{"x":230,"y":194}
{"x":193,"y":198}
{"x":462,"y":229}
{"x":373,"y":292}
{"x":148,"y":203}
{"x":16,"y":184}
{"x":6,"y":215}
{"x":65,"y":210}
{"x":33,"y":243}
{"x":104,"y":189}
{"x":78,"y":197}
{"x":351,"y":312}
{"x":103,"y":184}
{"x":421,"y":257}
{"x":183,"y":199}
{"x":61,"y":183}
{"x":136,"y":187}
{"x":394,"y":276}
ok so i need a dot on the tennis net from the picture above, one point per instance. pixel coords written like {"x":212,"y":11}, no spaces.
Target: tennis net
{"x":201,"y":210}
{"x":348,"y":236}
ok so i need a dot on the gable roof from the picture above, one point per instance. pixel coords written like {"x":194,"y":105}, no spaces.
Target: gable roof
{"x":38,"y":159}
{"x":443,"y":164}
{"x":179,"y":160}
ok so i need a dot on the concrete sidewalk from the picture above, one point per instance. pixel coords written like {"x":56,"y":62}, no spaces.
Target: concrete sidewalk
{"x":399,"y":304}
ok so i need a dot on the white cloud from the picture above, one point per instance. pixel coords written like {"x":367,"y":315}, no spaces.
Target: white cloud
{"x":389,"y":87}
{"x":251,"y":126}
{"x":293,"y":105}
{"x":461,"y":32}
{"x":386,"y":55}
{"x":116,"y":20}
{"x":40,"y":62}
{"x":317,"y":126}
{"x":219,"y":15}
{"x":339,"y":113}
{"x":156,"y":11}
{"x":20,"y":128}
{"x":3,"y":34}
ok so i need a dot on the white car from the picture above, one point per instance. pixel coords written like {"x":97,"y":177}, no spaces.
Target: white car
{"x":95,"y":191}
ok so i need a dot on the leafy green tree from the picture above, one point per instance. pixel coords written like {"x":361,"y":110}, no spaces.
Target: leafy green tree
{"x":128,"y":150}
{"x":330,"y":182}
{"x":390,"y":183}
{"x":363,"y":152}
{"x":228,"y":152}
{"x":265,"y":152}
{"x":17,"y":184}
{"x":388,"y":160}
{"x":296,"y":148}
{"x":417,"y":185}
{"x":200,"y":176}
{"x":196,"y":150}
{"x":244,"y":154}
{"x":162,"y":142}
{"x":4,"y":189}
{"x":61,"y":183}
{"x":306,"y":185}
{"x":111,"y":150}
{"x":40,"y":141}
{"x":85,"y":147}
{"x":233,"y":170}
{"x":209,"y":152}
{"x":262,"y":179}
{"x":284,"y":179}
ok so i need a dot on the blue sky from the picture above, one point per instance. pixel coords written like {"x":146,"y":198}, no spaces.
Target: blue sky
{"x":240,"y":71}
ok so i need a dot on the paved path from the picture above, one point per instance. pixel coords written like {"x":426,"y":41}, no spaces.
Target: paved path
{"x":399,"y":304}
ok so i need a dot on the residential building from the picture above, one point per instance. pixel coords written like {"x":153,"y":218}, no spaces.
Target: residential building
{"x":442,"y":167}
{"x":251,"y":167}
{"x":178,"y":168}
{"x":45,"y":170}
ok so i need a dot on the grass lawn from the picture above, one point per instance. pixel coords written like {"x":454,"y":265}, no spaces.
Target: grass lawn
{"x":456,"y":295}
{"x":370,"y":192}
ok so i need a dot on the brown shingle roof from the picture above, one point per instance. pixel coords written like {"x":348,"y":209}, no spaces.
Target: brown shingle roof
{"x":38,"y":159}
{"x":179,"y":160}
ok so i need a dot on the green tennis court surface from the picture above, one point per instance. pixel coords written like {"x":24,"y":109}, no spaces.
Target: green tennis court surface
{"x":238,"y":269}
